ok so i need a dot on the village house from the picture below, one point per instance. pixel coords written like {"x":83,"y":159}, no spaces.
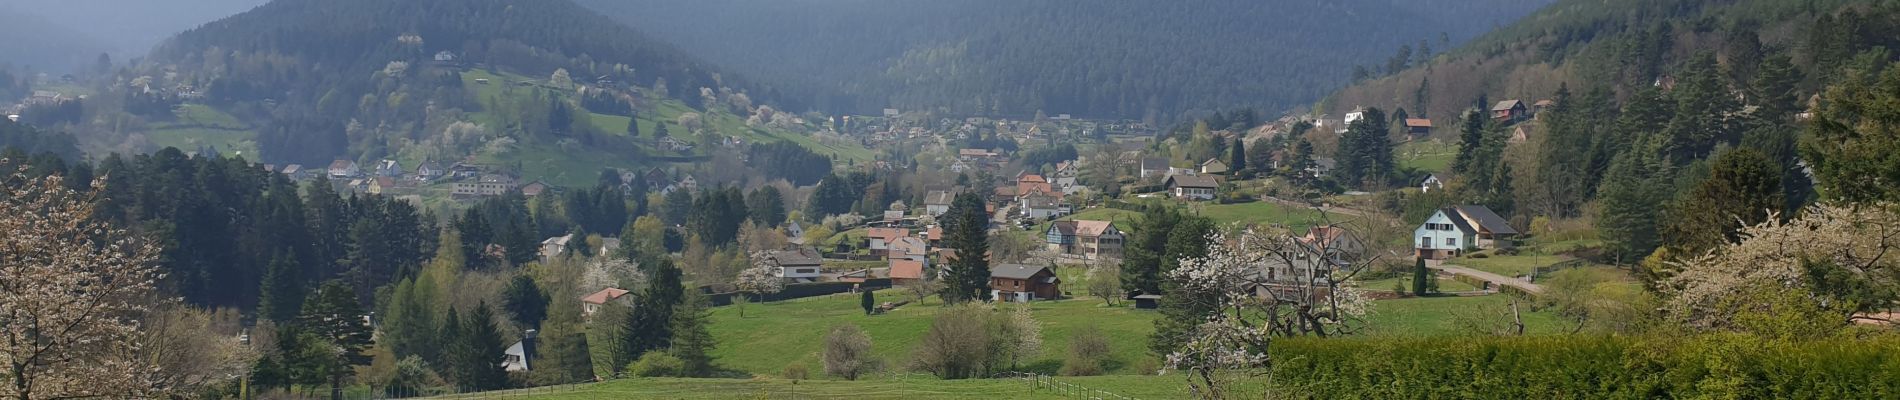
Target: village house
{"x":294,"y":172}
{"x":1041,"y":205}
{"x":487,"y":185}
{"x":1509,"y":112}
{"x":428,"y":170}
{"x":1023,"y":283}
{"x":1032,"y":183}
{"x":905,"y":271}
{"x":554,"y":246}
{"x":342,"y":169}
{"x":1430,"y":182}
{"x":1153,"y":167}
{"x":1418,"y":127}
{"x":389,"y":168}
{"x":533,"y":189}
{"x":937,"y":202}
{"x":1520,"y":134}
{"x":1088,"y":239}
{"x":909,"y":248}
{"x":592,"y":302}
{"x":801,"y":265}
{"x":518,"y":356}
{"x":1193,"y":187}
{"x":465,"y":170}
{"x":1453,"y":230}
{"x":1335,"y":241}
{"x":1357,"y":113}
{"x":1214,"y":166}
{"x":878,"y":240}
{"x":382,"y":185}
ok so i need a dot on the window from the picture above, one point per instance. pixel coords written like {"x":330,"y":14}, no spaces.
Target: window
{"x":1425,"y":241}
{"x":1451,"y":242}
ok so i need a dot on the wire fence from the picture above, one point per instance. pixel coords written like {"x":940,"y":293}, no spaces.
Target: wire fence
{"x":1049,"y":384}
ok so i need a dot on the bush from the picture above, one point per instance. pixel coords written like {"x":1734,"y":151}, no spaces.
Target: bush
{"x":1705,"y":366}
{"x":848,"y":353}
{"x":795,"y":371}
{"x":1088,"y":351}
{"x":973,"y":340}
{"x":657,"y":364}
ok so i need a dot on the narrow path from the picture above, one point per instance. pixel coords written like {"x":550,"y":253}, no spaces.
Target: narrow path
{"x":1531,"y":288}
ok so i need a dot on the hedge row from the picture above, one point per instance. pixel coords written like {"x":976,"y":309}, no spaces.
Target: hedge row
{"x":1568,"y":367}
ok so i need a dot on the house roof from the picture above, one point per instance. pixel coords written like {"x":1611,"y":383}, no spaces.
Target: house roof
{"x":1418,"y":123}
{"x":1064,"y":228}
{"x":799,"y":257}
{"x":1154,"y":164}
{"x":1507,"y":105}
{"x":910,"y":245}
{"x":939,"y":198}
{"x":1031,"y":178}
{"x":888,"y":234}
{"x":906,"y":269}
{"x":1015,"y":271}
{"x":342,"y":164}
{"x":1087,"y":228}
{"x":1212,"y":161}
{"x":975,"y":152}
{"x":1193,"y":181}
{"x":934,"y":233}
{"x":1458,"y":220}
{"x":604,"y":295}
{"x":1545,"y":103}
{"x":1487,"y":219}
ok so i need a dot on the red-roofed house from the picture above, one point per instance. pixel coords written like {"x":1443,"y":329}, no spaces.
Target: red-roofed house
{"x":591,"y":303}
{"x":1418,"y":127}
{"x":905,"y":271}
{"x":879,"y":239}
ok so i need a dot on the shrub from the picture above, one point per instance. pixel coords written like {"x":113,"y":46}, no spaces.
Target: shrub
{"x":972,"y":340}
{"x":656,"y":364}
{"x":848,"y":353}
{"x":1088,"y":350}
{"x":795,"y":371}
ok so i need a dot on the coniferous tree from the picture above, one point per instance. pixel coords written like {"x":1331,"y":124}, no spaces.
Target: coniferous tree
{"x":633,"y":123}
{"x":1704,"y":106}
{"x":473,"y":233}
{"x":1743,"y":189}
{"x":766,"y":206}
{"x":692,"y":343}
{"x":1631,"y":200}
{"x":282,"y":294}
{"x":1144,"y":252}
{"x":333,"y":315}
{"x":475,"y":361}
{"x":1471,"y":141}
{"x":966,"y":230}
{"x":647,"y":327}
{"x":524,"y":301}
{"x":409,"y":323}
{"x":1419,"y":273}
{"x":1237,"y":159}
{"x":868,"y":301}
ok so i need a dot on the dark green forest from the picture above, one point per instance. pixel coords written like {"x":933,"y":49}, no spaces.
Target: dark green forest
{"x":1013,"y":58}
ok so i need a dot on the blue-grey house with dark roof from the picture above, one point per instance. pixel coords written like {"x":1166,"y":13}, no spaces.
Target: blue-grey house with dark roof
{"x":1453,"y":230}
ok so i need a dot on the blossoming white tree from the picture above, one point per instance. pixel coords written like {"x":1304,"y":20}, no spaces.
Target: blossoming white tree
{"x":1829,"y":256}
{"x":761,"y":279}
{"x":1252,"y":288}
{"x":71,"y":290}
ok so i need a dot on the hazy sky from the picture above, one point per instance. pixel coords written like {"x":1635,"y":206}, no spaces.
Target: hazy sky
{"x":127,"y":27}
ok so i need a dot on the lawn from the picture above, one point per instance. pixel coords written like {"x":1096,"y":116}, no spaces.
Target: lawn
{"x":1512,"y":266}
{"x":1429,"y":155}
{"x":1437,"y":316}
{"x":201,"y":125}
{"x":1260,"y":213}
{"x":776,"y":335}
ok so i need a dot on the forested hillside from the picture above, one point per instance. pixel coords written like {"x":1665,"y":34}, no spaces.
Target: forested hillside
{"x":365,"y":79}
{"x":1621,"y":44}
{"x":1108,"y":59}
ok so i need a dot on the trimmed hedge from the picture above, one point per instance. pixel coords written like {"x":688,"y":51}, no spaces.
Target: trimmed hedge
{"x":1567,"y":367}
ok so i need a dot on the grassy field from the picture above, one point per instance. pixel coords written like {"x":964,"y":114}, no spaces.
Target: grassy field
{"x":1259,"y":213}
{"x":1438,"y":316}
{"x":200,"y":125}
{"x":776,"y":335}
{"x":1430,"y":155}
{"x":1513,"y":266}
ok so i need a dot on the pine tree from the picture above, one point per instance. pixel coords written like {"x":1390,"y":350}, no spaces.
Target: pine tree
{"x":476,"y":360}
{"x":1143,"y":252}
{"x":473,"y":233}
{"x":633,"y":123}
{"x":409,"y":325}
{"x":524,"y":302}
{"x":577,"y":244}
{"x":966,"y":230}
{"x":1471,"y":141}
{"x":691,"y":341}
{"x":452,"y":341}
{"x":333,"y":315}
{"x":1419,"y":273}
{"x":1743,"y":189}
{"x":868,"y":301}
{"x":766,"y":206}
{"x":281,"y":295}
{"x":1237,"y":157}
{"x":1630,"y":202}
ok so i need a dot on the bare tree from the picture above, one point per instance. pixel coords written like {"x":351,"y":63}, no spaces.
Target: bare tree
{"x":186,"y":350}
{"x":920,"y":289}
{"x":71,"y":287}
{"x":1105,"y":282}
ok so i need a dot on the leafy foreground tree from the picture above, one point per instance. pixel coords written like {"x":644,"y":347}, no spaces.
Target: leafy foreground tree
{"x":847,"y":353}
{"x":1820,"y":271}
{"x":67,"y":284}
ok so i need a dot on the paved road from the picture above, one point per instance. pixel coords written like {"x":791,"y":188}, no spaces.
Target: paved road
{"x":1532,"y":288}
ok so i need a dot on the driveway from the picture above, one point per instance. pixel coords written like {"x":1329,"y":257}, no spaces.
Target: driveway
{"x":1532,"y":288}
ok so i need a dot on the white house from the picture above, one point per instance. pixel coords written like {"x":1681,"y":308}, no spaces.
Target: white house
{"x":1041,"y":206}
{"x":554,"y":246}
{"x":1193,"y":187}
{"x":878,"y":240}
{"x":1356,"y":114}
{"x":343,"y":169}
{"x":801,"y":265}
{"x":1453,"y":230}
{"x":1214,"y":166}
{"x":388,"y":168}
{"x":1431,"y":182}
{"x":938,"y":202}
{"x":517,"y":357}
